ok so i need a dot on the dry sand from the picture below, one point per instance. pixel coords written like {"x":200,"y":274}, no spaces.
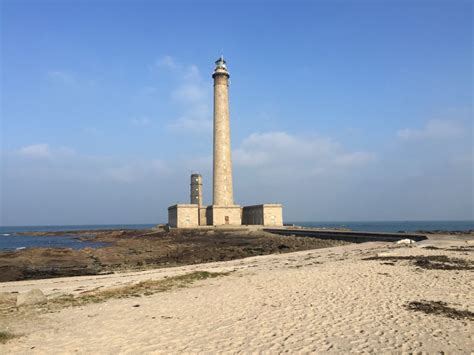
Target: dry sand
{"x":325,"y":300}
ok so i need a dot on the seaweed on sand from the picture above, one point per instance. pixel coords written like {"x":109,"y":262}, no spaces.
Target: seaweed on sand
{"x":430,"y":262}
{"x":439,"y":308}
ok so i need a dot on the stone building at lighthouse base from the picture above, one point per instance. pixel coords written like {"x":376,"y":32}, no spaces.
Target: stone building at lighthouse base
{"x":195,"y":214}
{"x":192,"y":215}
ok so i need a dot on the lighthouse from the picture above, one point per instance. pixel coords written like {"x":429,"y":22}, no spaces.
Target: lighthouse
{"x":223,"y":210}
{"x":222,"y":162}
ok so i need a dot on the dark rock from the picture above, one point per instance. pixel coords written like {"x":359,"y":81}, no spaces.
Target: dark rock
{"x":132,"y":249}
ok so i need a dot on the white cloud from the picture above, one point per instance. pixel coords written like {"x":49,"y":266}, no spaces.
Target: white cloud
{"x":65,"y":164}
{"x":133,"y":171}
{"x":313,"y":176}
{"x":296,"y":154}
{"x":434,"y":129}
{"x":44,"y":151}
{"x":40,"y":151}
{"x":158,"y":166}
{"x":166,"y":61}
{"x":186,"y":72}
{"x":61,"y":77}
{"x":141,"y":121}
{"x":123,"y":173}
{"x":191,"y":124}
{"x":197,"y":118}
{"x":64,"y":152}
{"x":192,"y":73}
{"x":355,"y":158}
{"x":190,"y":93}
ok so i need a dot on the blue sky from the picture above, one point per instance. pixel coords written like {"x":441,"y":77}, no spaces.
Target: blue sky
{"x":340,"y":110}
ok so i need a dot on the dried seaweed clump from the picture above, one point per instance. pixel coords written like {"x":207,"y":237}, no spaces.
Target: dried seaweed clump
{"x":439,"y":308}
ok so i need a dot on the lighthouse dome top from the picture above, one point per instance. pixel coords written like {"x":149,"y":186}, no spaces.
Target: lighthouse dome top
{"x":221,"y":67}
{"x":220,"y":63}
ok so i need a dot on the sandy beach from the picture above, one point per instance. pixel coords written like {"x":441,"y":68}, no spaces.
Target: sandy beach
{"x":338,"y":299}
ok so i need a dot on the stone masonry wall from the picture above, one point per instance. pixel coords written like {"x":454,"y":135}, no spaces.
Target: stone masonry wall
{"x":265,"y":214}
{"x":222,"y":215}
{"x":183,"y":216}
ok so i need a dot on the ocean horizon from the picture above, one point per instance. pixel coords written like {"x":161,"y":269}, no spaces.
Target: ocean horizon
{"x":369,"y":226}
{"x":10,"y":241}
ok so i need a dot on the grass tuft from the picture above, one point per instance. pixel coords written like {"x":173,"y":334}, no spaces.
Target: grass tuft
{"x":143,"y":288}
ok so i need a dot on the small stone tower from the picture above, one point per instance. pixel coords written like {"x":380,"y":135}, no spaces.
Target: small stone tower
{"x":196,"y":189}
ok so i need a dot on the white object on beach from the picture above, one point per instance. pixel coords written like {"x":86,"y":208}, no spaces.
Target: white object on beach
{"x":406,"y":242}
{"x":34,"y":296}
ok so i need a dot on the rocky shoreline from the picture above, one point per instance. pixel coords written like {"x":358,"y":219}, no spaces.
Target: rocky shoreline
{"x":142,"y":249}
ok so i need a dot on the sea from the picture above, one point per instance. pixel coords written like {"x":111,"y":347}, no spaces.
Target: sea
{"x":10,"y":241}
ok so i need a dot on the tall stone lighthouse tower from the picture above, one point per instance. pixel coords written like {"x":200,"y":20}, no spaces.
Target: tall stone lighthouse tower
{"x":222,"y":179}
{"x":224,"y":210}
